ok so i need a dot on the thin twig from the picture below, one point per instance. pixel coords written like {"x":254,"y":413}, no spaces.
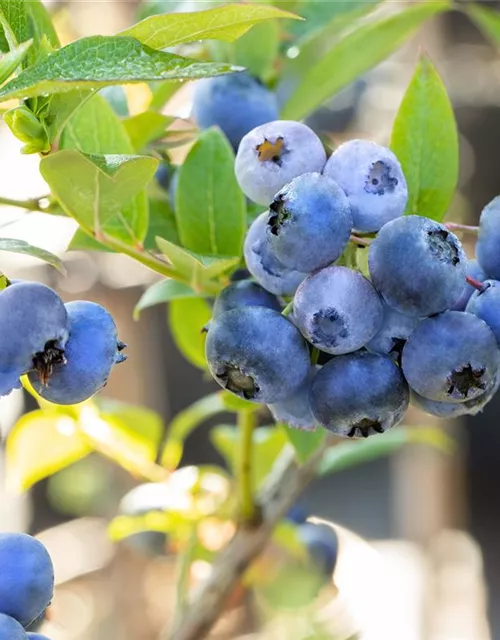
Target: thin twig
{"x":248,"y":511}
{"x":362,"y":242}
{"x":466,"y":228}
{"x":32,"y":204}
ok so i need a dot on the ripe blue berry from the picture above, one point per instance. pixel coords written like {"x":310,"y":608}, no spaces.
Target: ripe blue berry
{"x":456,"y":409}
{"x":322,"y":545}
{"x":10,"y":629}
{"x":373,"y":181}
{"x":337,"y":310}
{"x":91,"y":351}
{"x":452,"y":357}
{"x":392,"y":335}
{"x":488,"y":242}
{"x":26,"y":578}
{"x":475,"y":271}
{"x":417,"y":265}
{"x":309,"y":223}
{"x":272,"y":155}
{"x":236,"y":103}
{"x":297,"y":514}
{"x":269,"y":272}
{"x":243,"y":293}
{"x":36,"y":636}
{"x":164,"y":175}
{"x":296,"y":410}
{"x":257,"y":354}
{"x":33,"y":332}
{"x":485,"y":304}
{"x":359,"y":394}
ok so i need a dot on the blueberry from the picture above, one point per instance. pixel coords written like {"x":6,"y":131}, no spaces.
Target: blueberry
{"x":359,"y":394}
{"x":269,"y":272}
{"x":392,"y":335}
{"x":26,"y":578}
{"x":243,"y":293}
{"x":485,"y":304}
{"x":91,"y":351}
{"x":309,"y":223}
{"x":456,"y":409}
{"x":473,"y":270}
{"x":33,"y":332}
{"x":10,"y":629}
{"x":297,"y":514}
{"x":452,"y":357}
{"x":163,"y":175}
{"x":257,"y":354}
{"x":337,"y":310}
{"x":36,"y":636}
{"x":296,"y":410}
{"x":417,"y":265}
{"x":488,"y":242}
{"x":236,"y":103}
{"x":322,"y":545}
{"x":373,"y":181}
{"x":272,"y":155}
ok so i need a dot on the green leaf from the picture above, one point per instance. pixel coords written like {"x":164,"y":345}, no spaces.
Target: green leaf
{"x":236,"y":404}
{"x":488,"y":20}
{"x":40,"y":24}
{"x":348,"y":454}
{"x":187,"y":318}
{"x":355,"y":53}
{"x":20,"y":246}
{"x":305,"y":443}
{"x":146,"y":127}
{"x":116,"y":97}
{"x":222,"y":23}
{"x":40,"y":444}
{"x":11,"y":60}
{"x":14,"y":21}
{"x":162,"y":223}
{"x":210,"y":206}
{"x":161,"y":292}
{"x":95,"y":190}
{"x":82,"y":241}
{"x":268,"y":443}
{"x":185,"y":423}
{"x":60,"y":109}
{"x":425,"y":140}
{"x":193,"y":269}
{"x":99,"y":61}
{"x":162,"y":92}
{"x":258,"y":49}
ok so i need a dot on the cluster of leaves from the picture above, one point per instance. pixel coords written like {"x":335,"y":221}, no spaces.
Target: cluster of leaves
{"x":99,"y":162}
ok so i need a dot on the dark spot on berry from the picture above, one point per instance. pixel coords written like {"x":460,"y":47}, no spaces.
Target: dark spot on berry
{"x":397,"y":348}
{"x":328,"y":327}
{"x":379,"y":179}
{"x":45,"y":361}
{"x":364,"y":427}
{"x":237,"y":381}
{"x":269,"y":151}
{"x":465,"y":380}
{"x":443,"y":246}
{"x":278,"y":214}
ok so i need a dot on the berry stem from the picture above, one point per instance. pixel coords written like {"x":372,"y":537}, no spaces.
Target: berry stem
{"x":288,"y":309}
{"x":314,"y":356}
{"x":248,"y":513}
{"x":362,"y":242}
{"x":477,"y":284}
{"x":183,"y":568}
{"x":466,"y":228}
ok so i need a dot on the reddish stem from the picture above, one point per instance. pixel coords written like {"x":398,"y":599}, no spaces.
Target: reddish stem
{"x":477,"y":284}
{"x":455,"y":226}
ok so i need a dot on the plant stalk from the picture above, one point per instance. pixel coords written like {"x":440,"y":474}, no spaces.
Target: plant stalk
{"x":248,"y":512}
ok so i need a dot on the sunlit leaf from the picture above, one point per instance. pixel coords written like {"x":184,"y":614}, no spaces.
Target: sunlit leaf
{"x":187,"y":319}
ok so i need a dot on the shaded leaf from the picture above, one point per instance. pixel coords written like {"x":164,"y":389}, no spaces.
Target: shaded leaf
{"x":209,"y":205}
{"x":162,"y":223}
{"x":146,"y":127}
{"x":161,"y":292}
{"x":20,"y":246}
{"x":222,"y":23}
{"x":355,"y":53}
{"x":99,"y":61}
{"x":11,"y":60}
{"x":425,"y":140}
{"x":347,"y":454}
{"x":116,"y":97}
{"x":40,"y":444}
{"x":258,"y":49}
{"x":305,"y":443}
{"x":184,"y":423}
{"x":60,"y":109}
{"x":40,"y":24}
{"x":96,"y":191}
{"x":162,"y":92}
{"x":14,"y":21}
{"x":487,"y":19}
{"x":187,"y":317}
{"x":82,"y":241}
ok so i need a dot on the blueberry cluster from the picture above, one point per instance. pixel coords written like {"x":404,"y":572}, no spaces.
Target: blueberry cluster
{"x":67,"y":350}
{"x":26,"y":586}
{"x":349,"y":352}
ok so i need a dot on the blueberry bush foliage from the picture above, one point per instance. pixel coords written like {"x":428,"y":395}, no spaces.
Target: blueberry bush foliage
{"x":103,"y":167}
